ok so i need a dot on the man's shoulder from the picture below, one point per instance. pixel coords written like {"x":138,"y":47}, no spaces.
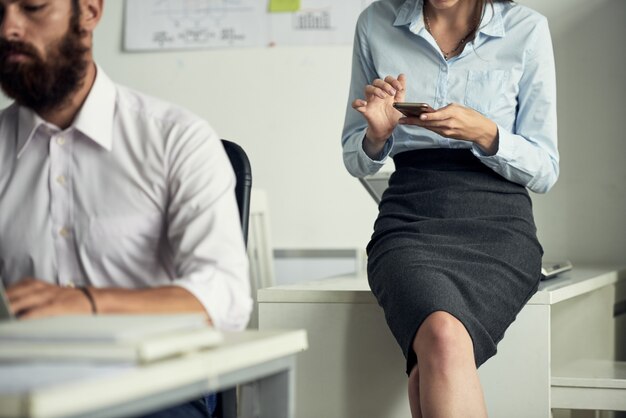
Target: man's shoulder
{"x":144,"y":108}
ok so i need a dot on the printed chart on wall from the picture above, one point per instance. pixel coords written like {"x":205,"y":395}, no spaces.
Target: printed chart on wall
{"x":197,"y":24}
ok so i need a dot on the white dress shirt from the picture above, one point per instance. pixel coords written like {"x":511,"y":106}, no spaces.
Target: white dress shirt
{"x":136,"y":193}
{"x":507,"y":73}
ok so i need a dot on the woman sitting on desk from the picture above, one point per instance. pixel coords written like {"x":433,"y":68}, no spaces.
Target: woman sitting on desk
{"x":454,"y":255}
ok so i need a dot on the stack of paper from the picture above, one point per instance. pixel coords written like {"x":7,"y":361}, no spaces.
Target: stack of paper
{"x":133,"y":338}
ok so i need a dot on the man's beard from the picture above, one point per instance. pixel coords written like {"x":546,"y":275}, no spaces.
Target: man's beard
{"x":44,"y":85}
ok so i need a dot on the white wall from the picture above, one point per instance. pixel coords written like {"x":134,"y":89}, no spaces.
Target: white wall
{"x":285,"y":106}
{"x":584,"y":216}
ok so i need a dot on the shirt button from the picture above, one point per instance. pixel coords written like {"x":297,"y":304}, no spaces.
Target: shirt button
{"x":61,"y":140}
{"x":64,"y":232}
{"x":61,"y":180}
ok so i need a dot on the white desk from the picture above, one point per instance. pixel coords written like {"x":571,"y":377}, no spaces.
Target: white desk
{"x":70,"y":389}
{"x":354,"y":367}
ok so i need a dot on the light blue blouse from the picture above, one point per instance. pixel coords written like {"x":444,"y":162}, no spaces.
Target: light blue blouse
{"x":507,"y":74}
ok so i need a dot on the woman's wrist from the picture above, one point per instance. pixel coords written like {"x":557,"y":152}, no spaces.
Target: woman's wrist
{"x":488,"y":140}
{"x":374,"y":147}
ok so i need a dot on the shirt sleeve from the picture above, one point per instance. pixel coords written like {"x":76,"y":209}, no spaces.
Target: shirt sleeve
{"x":529,"y":155}
{"x":204,"y":229}
{"x":357,"y":162}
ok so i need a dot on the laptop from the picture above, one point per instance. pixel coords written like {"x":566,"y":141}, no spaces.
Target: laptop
{"x":376,"y":184}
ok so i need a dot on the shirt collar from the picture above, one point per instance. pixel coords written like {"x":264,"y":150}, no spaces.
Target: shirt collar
{"x":492,"y":23}
{"x":27,"y":124}
{"x":411,"y":13}
{"x":94,"y":119}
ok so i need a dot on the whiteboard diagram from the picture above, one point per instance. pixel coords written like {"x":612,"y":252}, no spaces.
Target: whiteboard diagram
{"x":193,"y":24}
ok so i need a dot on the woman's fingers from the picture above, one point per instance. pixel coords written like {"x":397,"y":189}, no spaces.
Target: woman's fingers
{"x":373,"y":91}
{"x":359,"y":105}
{"x":390,"y":86}
{"x":385,"y":86}
{"x":447,"y":112}
{"x":395,"y":83}
{"x":401,"y":89}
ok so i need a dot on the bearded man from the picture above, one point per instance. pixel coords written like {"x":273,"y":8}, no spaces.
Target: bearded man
{"x":110,"y":201}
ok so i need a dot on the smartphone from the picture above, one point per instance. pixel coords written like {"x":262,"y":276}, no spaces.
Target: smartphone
{"x":413,"y":110}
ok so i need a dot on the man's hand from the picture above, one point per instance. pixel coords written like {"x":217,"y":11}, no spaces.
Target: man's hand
{"x":378,"y":110}
{"x":33,"y":298}
{"x":460,"y":122}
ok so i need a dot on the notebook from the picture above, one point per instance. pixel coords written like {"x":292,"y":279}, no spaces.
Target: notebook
{"x":128,"y":338}
{"x":377,"y":183}
{"x":551,"y":269}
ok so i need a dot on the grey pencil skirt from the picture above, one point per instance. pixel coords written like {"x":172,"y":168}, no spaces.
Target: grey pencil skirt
{"x":452,"y":235}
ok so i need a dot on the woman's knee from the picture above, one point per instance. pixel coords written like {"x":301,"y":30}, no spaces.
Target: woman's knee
{"x":441,"y":335}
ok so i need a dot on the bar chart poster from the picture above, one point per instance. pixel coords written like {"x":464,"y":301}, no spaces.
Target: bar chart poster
{"x":317,"y":22}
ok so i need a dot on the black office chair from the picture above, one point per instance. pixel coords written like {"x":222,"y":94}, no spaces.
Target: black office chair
{"x":241,"y":164}
{"x":227,"y":399}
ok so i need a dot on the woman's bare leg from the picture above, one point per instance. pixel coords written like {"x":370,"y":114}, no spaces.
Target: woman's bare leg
{"x":448,"y":380}
{"x":414,"y":393}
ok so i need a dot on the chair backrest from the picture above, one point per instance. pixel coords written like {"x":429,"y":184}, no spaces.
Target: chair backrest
{"x":227,"y":399}
{"x":241,"y":165}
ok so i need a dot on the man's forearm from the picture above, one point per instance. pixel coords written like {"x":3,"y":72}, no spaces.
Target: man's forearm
{"x":167,"y":299}
{"x":32,"y":298}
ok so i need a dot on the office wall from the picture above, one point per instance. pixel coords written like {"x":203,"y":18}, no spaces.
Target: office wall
{"x":584,"y":217}
{"x":286,"y":107}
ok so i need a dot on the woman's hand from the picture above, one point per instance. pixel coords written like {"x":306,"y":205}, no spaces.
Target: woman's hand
{"x":460,"y":122}
{"x":378,"y":110}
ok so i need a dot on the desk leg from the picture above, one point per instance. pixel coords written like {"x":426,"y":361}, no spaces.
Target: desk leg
{"x":227,"y":406}
{"x":276,"y":394}
{"x":272,"y":396}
